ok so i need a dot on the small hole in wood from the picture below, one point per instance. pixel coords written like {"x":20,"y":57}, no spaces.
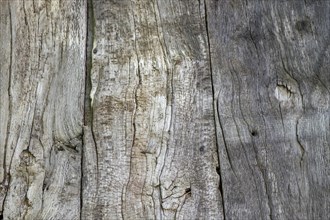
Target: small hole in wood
{"x":303,"y":26}
{"x":201,"y":149}
{"x":95,"y":51}
{"x":188,"y":190}
{"x":254,"y":133}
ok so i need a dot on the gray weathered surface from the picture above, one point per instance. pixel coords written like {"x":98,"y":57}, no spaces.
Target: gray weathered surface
{"x":161,"y":109}
{"x":153,"y":122}
{"x":42,"y":94}
{"x":270,"y":63}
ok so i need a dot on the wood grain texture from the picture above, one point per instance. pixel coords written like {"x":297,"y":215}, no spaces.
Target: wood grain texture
{"x":162,"y":109}
{"x":270,"y":62}
{"x":152,"y":121}
{"x":42,"y":93}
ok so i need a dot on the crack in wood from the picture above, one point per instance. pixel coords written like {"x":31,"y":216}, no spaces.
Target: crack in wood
{"x":7,"y":175}
{"x":88,"y":104}
{"x":215,"y":111}
{"x":134,"y":111}
{"x":302,"y":149}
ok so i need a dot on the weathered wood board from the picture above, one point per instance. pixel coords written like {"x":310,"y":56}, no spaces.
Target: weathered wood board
{"x":270,"y":65}
{"x":161,"y":109}
{"x":42,"y":70}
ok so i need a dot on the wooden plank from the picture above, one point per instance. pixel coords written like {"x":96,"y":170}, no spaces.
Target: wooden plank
{"x":42,"y":93}
{"x":270,"y":62}
{"x":153,"y":123}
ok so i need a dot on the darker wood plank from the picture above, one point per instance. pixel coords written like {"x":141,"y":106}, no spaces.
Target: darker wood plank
{"x":270,"y":63}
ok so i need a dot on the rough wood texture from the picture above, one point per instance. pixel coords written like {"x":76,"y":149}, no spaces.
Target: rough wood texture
{"x":270,"y":64}
{"x":161,"y":109}
{"x":153,"y":120}
{"x":42,"y":94}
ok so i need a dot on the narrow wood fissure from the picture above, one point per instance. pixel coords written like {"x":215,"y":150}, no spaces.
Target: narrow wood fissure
{"x":6,"y":180}
{"x":302,"y":149}
{"x":88,"y":109}
{"x":221,"y":187}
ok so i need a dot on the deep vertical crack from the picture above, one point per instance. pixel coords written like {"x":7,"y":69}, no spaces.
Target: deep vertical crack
{"x":221,"y":188}
{"x":88,"y":61}
{"x":6,"y":180}
{"x":88,"y":111}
